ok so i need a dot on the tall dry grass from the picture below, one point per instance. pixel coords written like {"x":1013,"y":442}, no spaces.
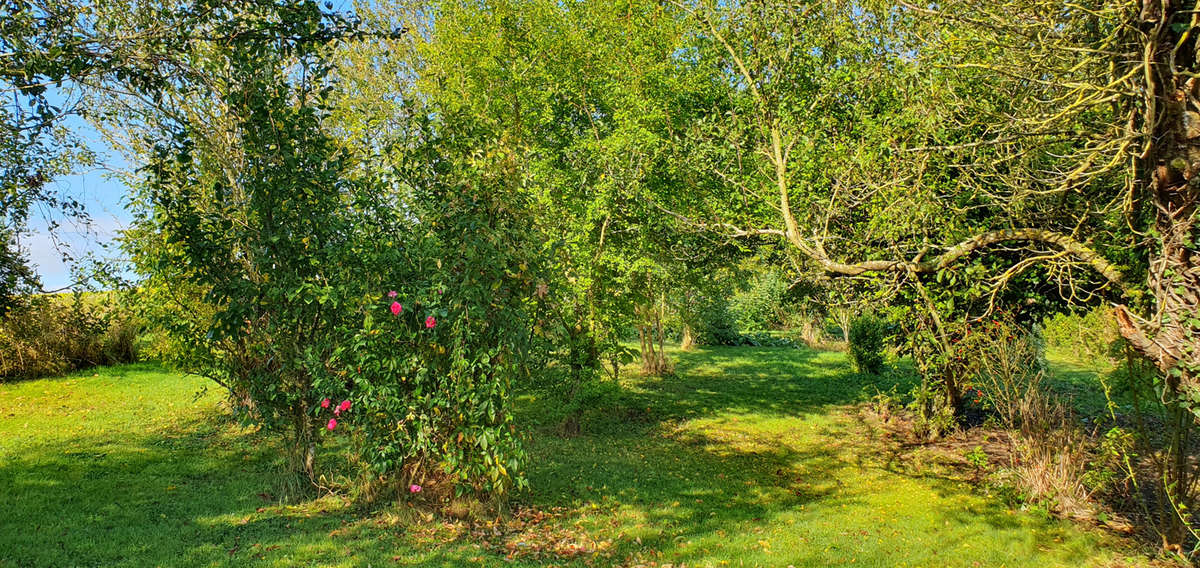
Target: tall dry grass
{"x":51,"y":335}
{"x":1052,"y":454}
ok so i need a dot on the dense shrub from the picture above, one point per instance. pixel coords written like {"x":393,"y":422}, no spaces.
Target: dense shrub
{"x":431,"y":368}
{"x":717,"y":324}
{"x":867,"y":335}
{"x":389,"y":308}
{"x":50,"y":335}
{"x":933,"y":414}
{"x":1091,"y":336}
{"x":949,"y":363}
{"x":760,"y":307}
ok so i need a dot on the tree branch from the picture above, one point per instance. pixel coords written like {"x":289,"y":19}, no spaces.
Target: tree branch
{"x":983,"y":240}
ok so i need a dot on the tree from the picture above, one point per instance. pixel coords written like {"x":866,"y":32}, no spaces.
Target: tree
{"x":976,"y":143}
{"x":293,"y":265}
{"x":557,"y":107}
{"x":38,"y":50}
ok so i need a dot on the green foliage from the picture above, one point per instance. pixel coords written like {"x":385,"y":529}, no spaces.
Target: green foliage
{"x":1089,"y":336}
{"x":716,"y":324}
{"x":49,"y":335}
{"x":765,"y":339}
{"x":949,"y":358}
{"x":886,"y":403}
{"x":270,"y":246}
{"x":933,"y":414}
{"x":760,"y":307}
{"x":247,"y":269}
{"x":1110,"y":472}
{"x":434,"y":393}
{"x":867,"y":335}
{"x":17,"y":279}
{"x":977,"y":457}
{"x":40,"y":40}
{"x":553,"y":111}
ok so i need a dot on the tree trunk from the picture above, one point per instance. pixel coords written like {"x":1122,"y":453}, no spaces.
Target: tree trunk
{"x":304,"y":445}
{"x":653,"y":340}
{"x":844,"y":316}
{"x":1168,"y":172}
{"x":688,"y":341}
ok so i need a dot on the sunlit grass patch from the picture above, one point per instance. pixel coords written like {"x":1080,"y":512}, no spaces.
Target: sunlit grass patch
{"x":747,"y":457}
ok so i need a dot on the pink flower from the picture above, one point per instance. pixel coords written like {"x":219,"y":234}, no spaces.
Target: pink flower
{"x":430,"y":322}
{"x":397,"y":308}
{"x":414,"y":488}
{"x":332,"y":424}
{"x":325,"y":403}
{"x":345,"y":405}
{"x":392,"y":294}
{"x":337,"y":411}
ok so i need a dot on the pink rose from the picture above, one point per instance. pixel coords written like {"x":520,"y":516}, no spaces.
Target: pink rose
{"x":430,"y":322}
{"x":414,"y":488}
{"x":397,"y":308}
{"x":392,"y":294}
{"x":325,"y":403}
{"x":332,"y":424}
{"x":344,"y":406}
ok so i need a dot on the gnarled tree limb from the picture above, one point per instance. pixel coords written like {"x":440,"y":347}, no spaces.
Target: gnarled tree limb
{"x":966,"y":247}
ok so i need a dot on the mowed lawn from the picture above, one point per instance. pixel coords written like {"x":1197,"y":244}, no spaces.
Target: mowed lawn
{"x":748,"y":457}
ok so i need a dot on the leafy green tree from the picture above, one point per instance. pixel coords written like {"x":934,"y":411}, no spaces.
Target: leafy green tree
{"x":292,"y":266}
{"x":557,"y":107}
{"x":55,"y":53}
{"x":980,"y":154}
{"x":241,"y":233}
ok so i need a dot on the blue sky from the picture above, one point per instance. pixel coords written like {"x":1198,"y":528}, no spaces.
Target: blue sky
{"x":104,"y":200}
{"x":102,"y":195}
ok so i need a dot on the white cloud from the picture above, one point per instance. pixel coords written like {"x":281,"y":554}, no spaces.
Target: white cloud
{"x":102,"y":200}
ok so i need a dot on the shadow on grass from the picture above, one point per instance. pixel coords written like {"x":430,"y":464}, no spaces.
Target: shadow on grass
{"x":739,"y":457}
{"x":768,"y":381}
{"x":130,"y":496}
{"x":738,"y":448}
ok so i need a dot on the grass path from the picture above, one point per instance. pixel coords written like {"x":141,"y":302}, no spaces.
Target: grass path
{"x":747,"y":458}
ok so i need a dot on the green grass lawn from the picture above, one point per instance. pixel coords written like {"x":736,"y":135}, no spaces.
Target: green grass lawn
{"x":749,"y":457}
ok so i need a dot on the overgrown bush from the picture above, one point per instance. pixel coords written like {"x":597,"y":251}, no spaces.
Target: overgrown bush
{"x":1052,"y":454}
{"x":393,"y":288}
{"x":933,"y":415}
{"x":867,"y":335}
{"x":1011,"y":367}
{"x":717,"y":323}
{"x":50,"y":335}
{"x":431,"y":367}
{"x":947,"y":356}
{"x":760,"y":307}
{"x":1091,"y":336}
